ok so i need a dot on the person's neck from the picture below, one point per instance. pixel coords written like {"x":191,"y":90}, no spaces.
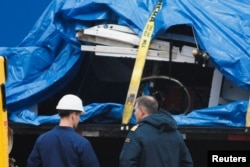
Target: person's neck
{"x":144,"y":116}
{"x":65,"y":122}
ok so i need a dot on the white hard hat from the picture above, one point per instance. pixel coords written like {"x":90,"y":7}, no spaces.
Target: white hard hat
{"x":70,"y":102}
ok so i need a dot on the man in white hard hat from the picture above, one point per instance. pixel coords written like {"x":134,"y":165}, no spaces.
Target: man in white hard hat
{"x":62,"y":146}
{"x":70,"y":104}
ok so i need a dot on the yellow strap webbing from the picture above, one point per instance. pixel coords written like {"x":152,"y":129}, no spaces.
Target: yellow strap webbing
{"x":4,"y":155}
{"x":248,"y":114}
{"x":139,"y":65}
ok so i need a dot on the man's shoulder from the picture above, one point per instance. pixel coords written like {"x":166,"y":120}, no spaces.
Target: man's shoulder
{"x":134,"y":128}
{"x":137,"y":127}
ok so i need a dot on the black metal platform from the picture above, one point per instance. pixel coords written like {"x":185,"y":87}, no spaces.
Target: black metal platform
{"x":114,"y":130}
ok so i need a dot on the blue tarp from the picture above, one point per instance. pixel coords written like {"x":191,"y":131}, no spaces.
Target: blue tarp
{"x":230,"y":115}
{"x":106,"y":113}
{"x":47,"y":57}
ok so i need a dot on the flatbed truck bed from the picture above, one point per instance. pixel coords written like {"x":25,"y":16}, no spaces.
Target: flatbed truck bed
{"x":107,"y":140}
{"x":113,"y":130}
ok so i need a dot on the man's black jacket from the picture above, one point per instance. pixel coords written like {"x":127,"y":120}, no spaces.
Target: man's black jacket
{"x":155,"y":142}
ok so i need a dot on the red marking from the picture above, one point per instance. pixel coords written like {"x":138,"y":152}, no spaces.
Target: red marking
{"x":239,"y":137}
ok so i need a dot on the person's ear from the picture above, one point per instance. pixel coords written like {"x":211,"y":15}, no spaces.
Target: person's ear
{"x":143,"y":112}
{"x":71,"y":115}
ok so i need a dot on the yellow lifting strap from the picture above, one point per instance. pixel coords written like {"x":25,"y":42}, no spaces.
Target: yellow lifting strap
{"x":139,"y":66}
{"x":4,"y":155}
{"x":248,"y":114}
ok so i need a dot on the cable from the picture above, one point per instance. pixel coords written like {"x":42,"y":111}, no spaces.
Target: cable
{"x":173,"y":80}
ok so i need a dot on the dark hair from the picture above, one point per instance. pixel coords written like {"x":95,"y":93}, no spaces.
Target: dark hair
{"x":65,"y":113}
{"x":149,"y":103}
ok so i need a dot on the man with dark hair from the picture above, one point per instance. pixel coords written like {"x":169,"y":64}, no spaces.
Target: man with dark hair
{"x":62,"y":146}
{"x":155,"y":140}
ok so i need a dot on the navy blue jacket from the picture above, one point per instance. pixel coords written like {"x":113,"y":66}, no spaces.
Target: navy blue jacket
{"x":155,"y":142}
{"x":62,"y":147}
